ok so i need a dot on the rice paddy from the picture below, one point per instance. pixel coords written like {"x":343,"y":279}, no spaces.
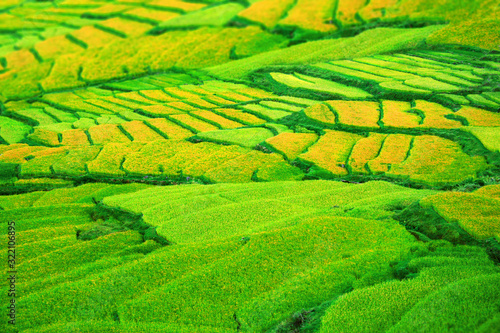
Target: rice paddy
{"x":250,"y":166}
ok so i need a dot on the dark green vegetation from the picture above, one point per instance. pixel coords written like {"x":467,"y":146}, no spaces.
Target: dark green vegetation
{"x":252,"y":166}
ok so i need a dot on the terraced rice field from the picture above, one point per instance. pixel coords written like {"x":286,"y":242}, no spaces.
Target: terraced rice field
{"x":250,"y":166}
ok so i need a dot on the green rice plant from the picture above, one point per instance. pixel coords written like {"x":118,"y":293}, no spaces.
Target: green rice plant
{"x":101,"y":134}
{"x":117,"y":281}
{"x":433,"y":85}
{"x":382,"y":307}
{"x":84,"y":123}
{"x":472,"y":301}
{"x":279,"y":263}
{"x":489,"y":136}
{"x":365,"y":150}
{"x":265,"y":112}
{"x":292,"y":145}
{"x":111,"y":119}
{"x":476,"y":214}
{"x":80,"y":253}
{"x":20,"y":200}
{"x":434,"y":160}
{"x":396,"y":115}
{"x":396,"y":75}
{"x":331,"y":152}
{"x":12,"y":131}
{"x":370,"y":42}
{"x":482,"y":101}
{"x":246,"y":137}
{"x":212,"y":117}
{"x":42,"y":165}
{"x":140,"y":132}
{"x":170,"y":129}
{"x":123,"y":27}
{"x":321,"y":85}
{"x":68,"y":195}
{"x":75,"y":162}
{"x":75,"y":137}
{"x":266,"y":12}
{"x":358,"y":114}
{"x":60,"y":115}
{"x":211,"y":16}
{"x":44,"y":137}
{"x":111,"y":157}
{"x":401,"y":88}
{"x":351,"y":74}
{"x":34,"y":115}
{"x":394,"y":151}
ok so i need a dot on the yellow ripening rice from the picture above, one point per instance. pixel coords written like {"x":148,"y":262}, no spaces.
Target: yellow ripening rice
{"x":267,"y":12}
{"x":475,"y":213}
{"x":357,"y":113}
{"x":365,"y":150}
{"x":331,"y":152}
{"x":396,"y":115}
{"x":347,"y":10}
{"x":240,"y":116}
{"x":93,"y":37}
{"x":292,"y":145}
{"x":106,"y":133}
{"x":175,"y":4}
{"x":56,"y":46}
{"x":375,"y":8}
{"x":437,"y":161}
{"x":192,"y":123}
{"x":140,"y":132}
{"x":435,"y":115}
{"x":44,"y":137}
{"x":312,"y":15}
{"x":479,"y":117}
{"x":170,"y":129}
{"x":110,"y":158}
{"x":320,"y":113}
{"x":394,"y":150}
{"x":75,"y":137}
{"x":492,"y":191}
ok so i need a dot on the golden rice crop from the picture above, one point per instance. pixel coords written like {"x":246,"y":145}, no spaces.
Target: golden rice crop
{"x":435,"y":115}
{"x":106,"y":133}
{"x":312,"y":15}
{"x":267,"y":12}
{"x":479,"y":117}
{"x":170,"y":129}
{"x":240,"y":116}
{"x":192,"y":123}
{"x":109,"y":160}
{"x":76,"y":137}
{"x":364,"y":151}
{"x":396,"y":115}
{"x":434,"y":160}
{"x":292,"y":145}
{"x":140,"y":132}
{"x":394,"y":151}
{"x":356,"y":113}
{"x":331,"y":151}
{"x":321,"y":113}
{"x":217,"y":119}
